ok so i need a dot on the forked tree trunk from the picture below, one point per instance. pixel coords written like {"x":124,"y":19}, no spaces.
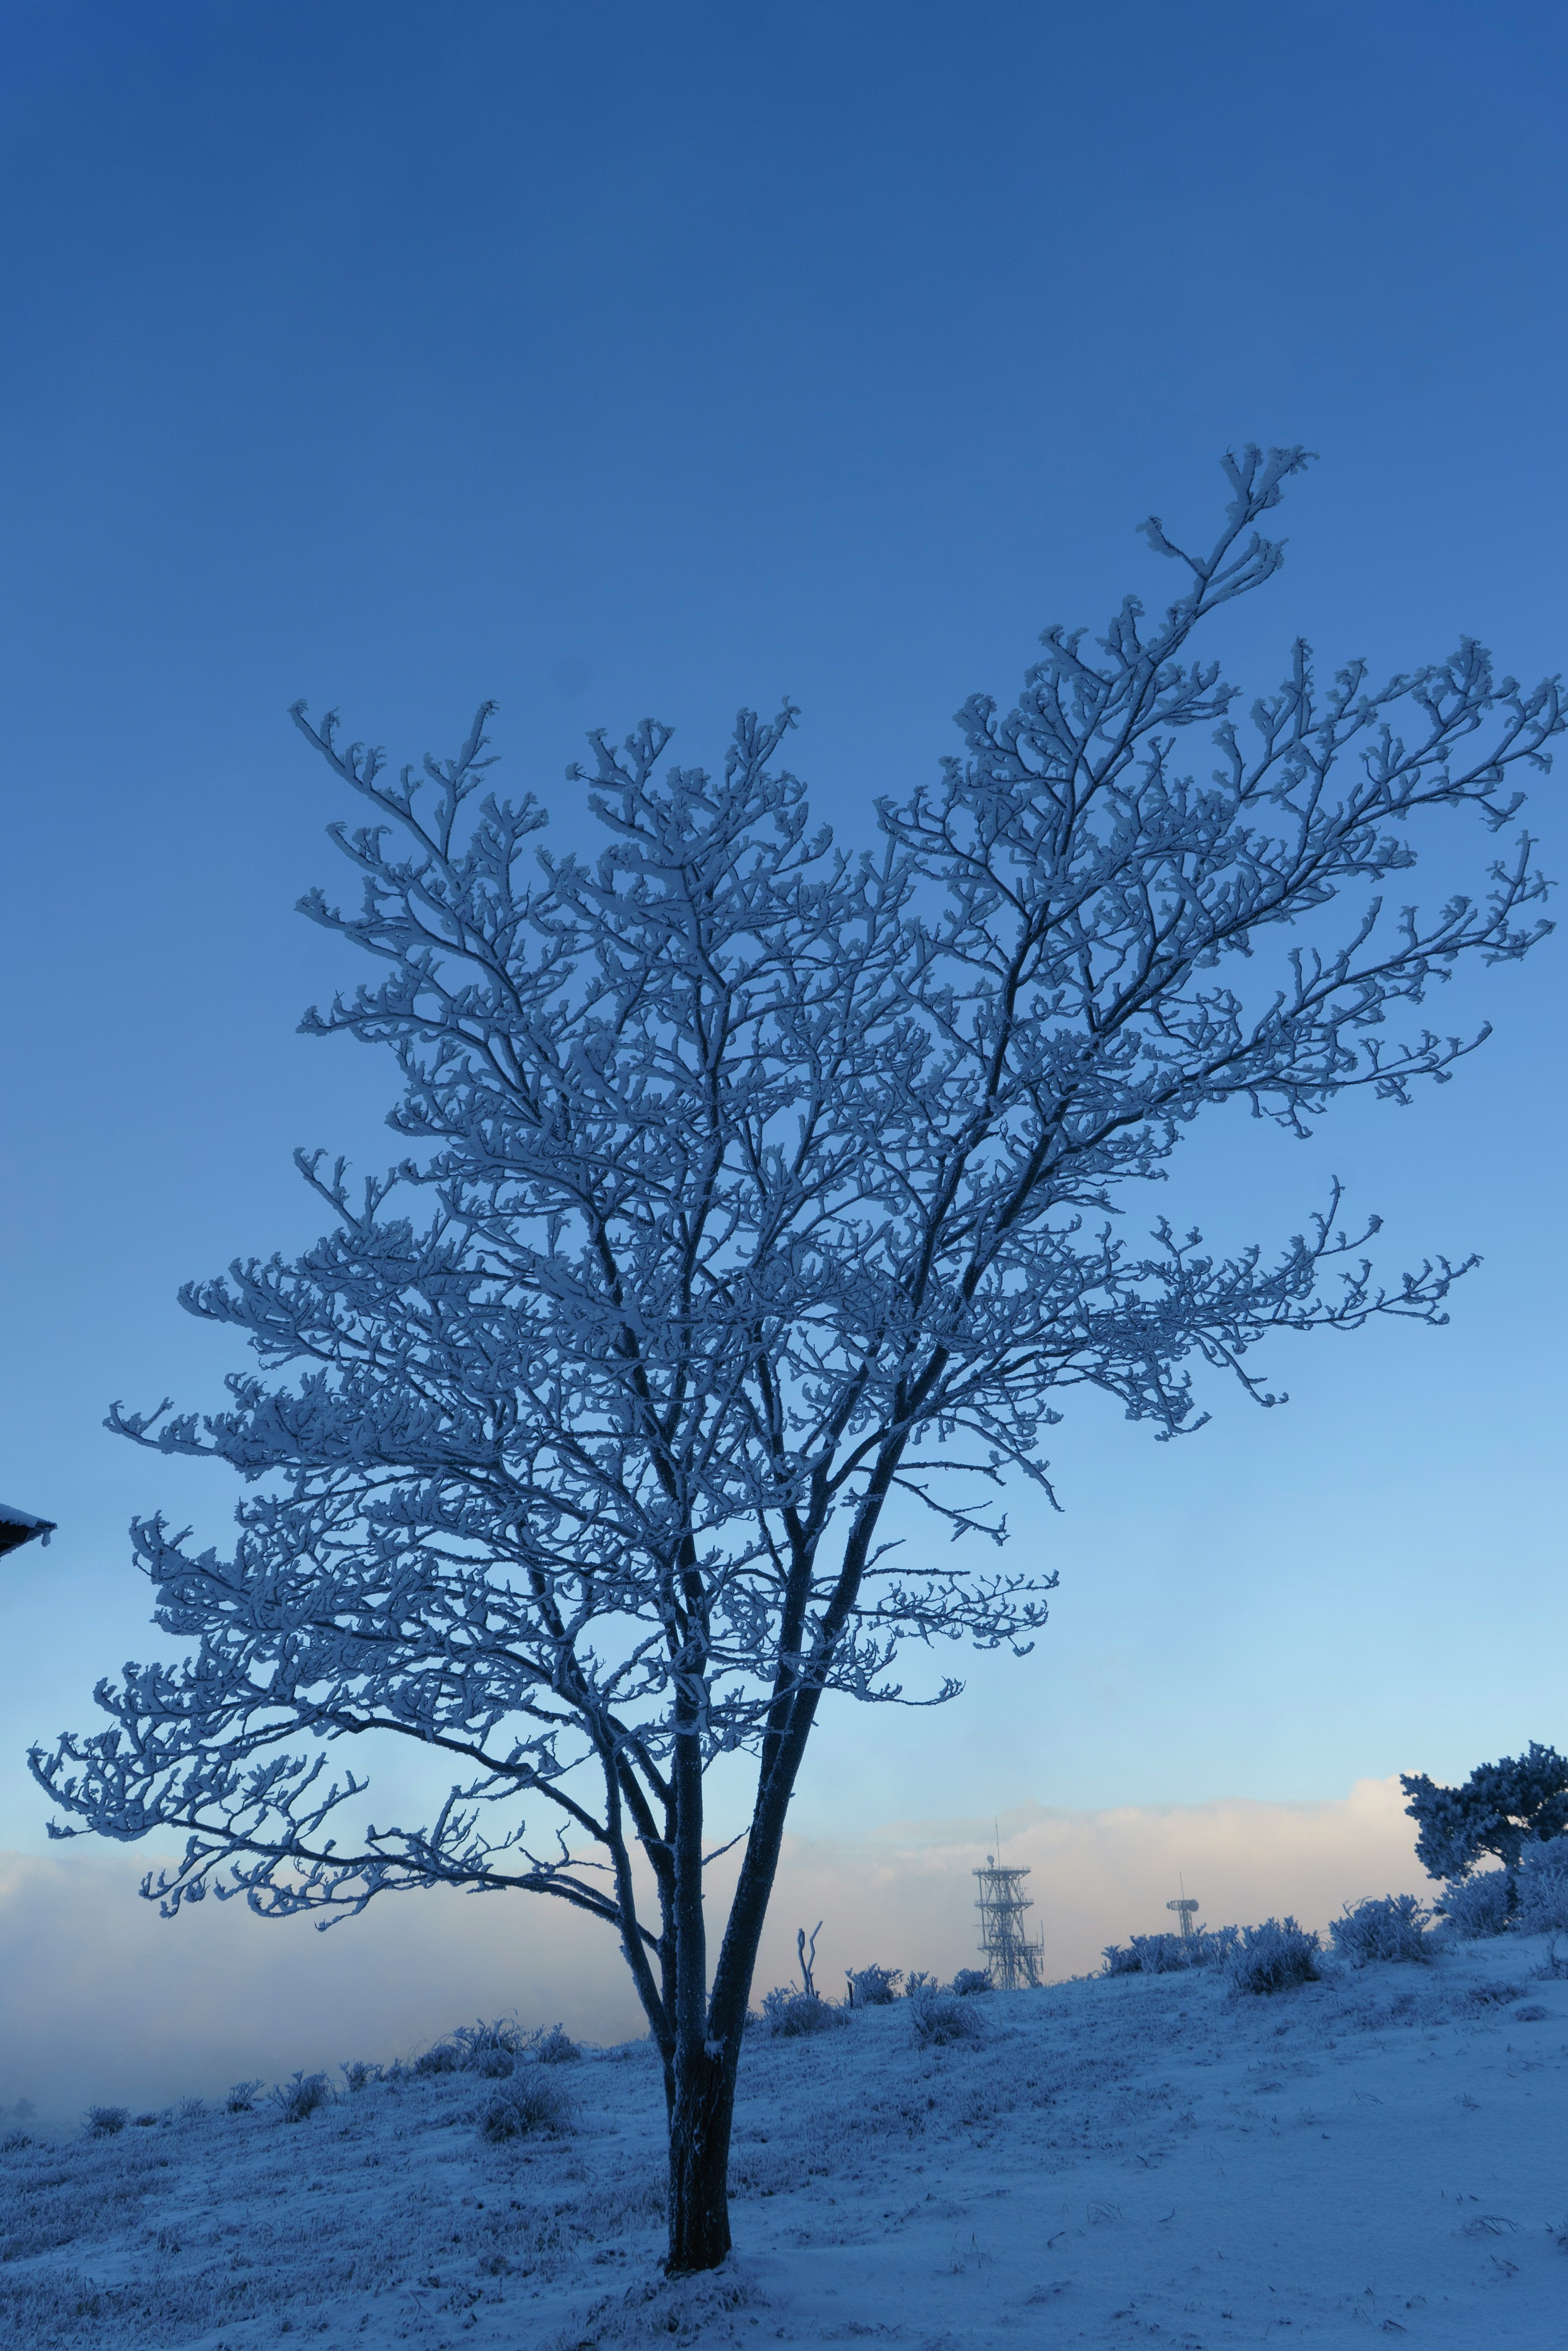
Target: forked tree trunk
{"x":699,"y":2129}
{"x":708,"y":2032}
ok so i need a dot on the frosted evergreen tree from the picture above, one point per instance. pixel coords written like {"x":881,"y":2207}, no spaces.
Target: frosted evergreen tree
{"x":762,"y":1192}
{"x":1501,"y":1808}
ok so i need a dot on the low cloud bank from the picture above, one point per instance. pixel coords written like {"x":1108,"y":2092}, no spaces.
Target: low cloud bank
{"x":101,"y":2000}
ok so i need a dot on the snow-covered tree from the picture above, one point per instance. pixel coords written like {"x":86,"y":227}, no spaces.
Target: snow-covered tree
{"x":1501,"y":1808}
{"x":770,"y":1194}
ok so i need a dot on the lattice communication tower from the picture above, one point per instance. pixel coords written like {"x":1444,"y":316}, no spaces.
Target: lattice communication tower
{"x":1012,"y":1957}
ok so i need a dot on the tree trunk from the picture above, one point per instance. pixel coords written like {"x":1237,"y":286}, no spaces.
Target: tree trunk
{"x":700,"y":2160}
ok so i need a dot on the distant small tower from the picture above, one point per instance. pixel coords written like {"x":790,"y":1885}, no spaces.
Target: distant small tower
{"x":1188,"y":1910}
{"x":1011,"y":1958}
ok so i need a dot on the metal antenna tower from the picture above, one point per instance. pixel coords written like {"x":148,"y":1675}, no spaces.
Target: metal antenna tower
{"x":1012,"y":1957}
{"x":1186,"y":1909}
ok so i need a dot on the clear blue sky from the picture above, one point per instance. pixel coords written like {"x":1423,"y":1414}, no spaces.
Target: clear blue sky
{"x":621,"y":360}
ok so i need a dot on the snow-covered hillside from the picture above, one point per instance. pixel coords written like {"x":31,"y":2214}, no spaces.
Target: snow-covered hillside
{"x":1132,"y":2160}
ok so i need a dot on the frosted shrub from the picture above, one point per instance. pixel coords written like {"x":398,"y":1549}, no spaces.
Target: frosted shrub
{"x":969,"y":1980}
{"x":242,"y":2098}
{"x":103,"y":2122}
{"x":1473,"y":1907}
{"x":788,"y":2014}
{"x":935,"y":2018}
{"x":1543,"y":1885}
{"x":492,"y":2050}
{"x":1273,"y":1957}
{"x":554,"y":2047}
{"x":1164,"y":1955}
{"x":1146,"y":1955}
{"x":359,"y":2075}
{"x":441,"y":2057}
{"x":504,"y":2035}
{"x":496,"y":2064}
{"x":529,"y":2104}
{"x":1393,"y":1927}
{"x":875,"y":1986}
{"x":297,"y":2100}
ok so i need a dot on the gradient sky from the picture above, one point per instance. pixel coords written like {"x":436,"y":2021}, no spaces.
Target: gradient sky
{"x":618,"y":361}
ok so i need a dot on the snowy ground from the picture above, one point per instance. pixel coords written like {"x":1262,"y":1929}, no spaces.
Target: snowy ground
{"x":1132,"y":2162}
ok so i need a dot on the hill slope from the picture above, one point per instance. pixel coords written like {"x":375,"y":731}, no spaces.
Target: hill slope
{"x":1137,"y":2160}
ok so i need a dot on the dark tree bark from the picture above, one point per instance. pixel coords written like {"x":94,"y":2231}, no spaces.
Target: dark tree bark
{"x":700,"y":2158}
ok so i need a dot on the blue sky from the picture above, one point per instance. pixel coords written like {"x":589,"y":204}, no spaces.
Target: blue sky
{"x":622,"y":361}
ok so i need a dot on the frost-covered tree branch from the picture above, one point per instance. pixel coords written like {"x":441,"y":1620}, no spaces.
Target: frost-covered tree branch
{"x":760,"y":1194}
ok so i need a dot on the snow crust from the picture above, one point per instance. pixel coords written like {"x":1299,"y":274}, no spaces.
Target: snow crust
{"x":1118,"y":2161}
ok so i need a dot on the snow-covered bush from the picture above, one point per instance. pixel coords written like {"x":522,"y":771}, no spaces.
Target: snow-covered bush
{"x":1164,"y":1955}
{"x":492,"y":2050}
{"x":527,"y":2105}
{"x":242,"y":2098}
{"x":1273,"y":1957}
{"x":875,"y":1986}
{"x":968,"y":1980}
{"x":1387,"y":1926}
{"x":1542,"y":1887}
{"x":503,"y":2034}
{"x":1473,"y":1907}
{"x":787,"y":2013}
{"x":144,"y":2122}
{"x":554,"y":2047}
{"x":359,"y":2075}
{"x":496,"y":2064}
{"x":1146,"y":1955}
{"x":297,"y":2100}
{"x":103,"y":2122}
{"x":936,"y":2018}
{"x":1487,"y":1997}
{"x":441,"y":2057}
